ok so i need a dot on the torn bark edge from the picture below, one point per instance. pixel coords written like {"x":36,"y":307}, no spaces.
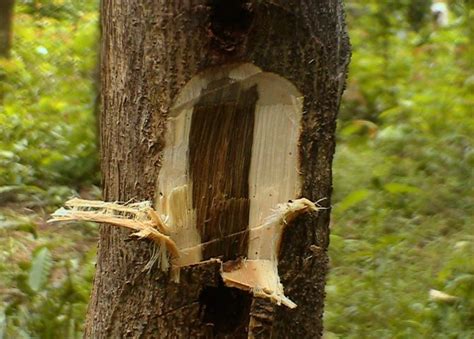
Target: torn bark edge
{"x":258,"y":276}
{"x":261,"y":318}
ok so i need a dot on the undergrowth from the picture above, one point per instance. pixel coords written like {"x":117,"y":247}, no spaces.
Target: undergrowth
{"x":403,"y":212}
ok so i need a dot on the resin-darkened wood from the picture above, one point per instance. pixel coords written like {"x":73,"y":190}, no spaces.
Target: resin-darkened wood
{"x":220,"y":150}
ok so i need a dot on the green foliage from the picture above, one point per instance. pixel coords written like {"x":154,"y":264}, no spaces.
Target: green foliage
{"x":47,"y":131}
{"x":47,"y":152}
{"x":403,"y":204}
{"x":418,"y":13}
{"x":46,"y":280}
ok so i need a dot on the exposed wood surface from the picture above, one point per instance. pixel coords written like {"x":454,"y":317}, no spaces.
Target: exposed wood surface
{"x":150,"y":50}
{"x":226,"y":165}
{"x":220,"y":149}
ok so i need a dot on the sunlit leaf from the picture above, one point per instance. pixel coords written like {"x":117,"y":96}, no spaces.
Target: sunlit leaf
{"x":397,"y":188}
{"x":40,"y":269}
{"x":352,"y":199}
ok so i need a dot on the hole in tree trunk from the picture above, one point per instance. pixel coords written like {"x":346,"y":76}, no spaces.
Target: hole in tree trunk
{"x":226,"y":308}
{"x":230,"y":21}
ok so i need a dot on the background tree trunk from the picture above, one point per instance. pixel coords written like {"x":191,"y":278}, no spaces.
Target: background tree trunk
{"x":150,"y":49}
{"x":6,"y":19}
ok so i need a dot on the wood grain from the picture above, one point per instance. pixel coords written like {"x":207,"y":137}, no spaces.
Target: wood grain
{"x":220,"y":149}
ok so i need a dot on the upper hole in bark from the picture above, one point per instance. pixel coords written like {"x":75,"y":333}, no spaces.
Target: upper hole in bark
{"x":230,"y":21}
{"x":226,"y":308}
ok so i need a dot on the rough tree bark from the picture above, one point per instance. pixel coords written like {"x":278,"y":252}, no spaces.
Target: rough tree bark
{"x":150,"y":50}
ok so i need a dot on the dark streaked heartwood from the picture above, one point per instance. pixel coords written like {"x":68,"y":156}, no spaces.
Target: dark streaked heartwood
{"x":220,"y":148}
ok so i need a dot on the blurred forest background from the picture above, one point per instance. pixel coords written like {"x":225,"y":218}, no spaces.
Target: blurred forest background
{"x":402,"y":243}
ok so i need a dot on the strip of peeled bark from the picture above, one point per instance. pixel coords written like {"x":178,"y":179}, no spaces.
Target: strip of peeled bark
{"x":259,"y":275}
{"x":150,"y":52}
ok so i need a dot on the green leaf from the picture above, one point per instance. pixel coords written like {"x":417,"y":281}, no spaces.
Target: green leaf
{"x":352,"y":199}
{"x":40,"y":269}
{"x":397,"y":188}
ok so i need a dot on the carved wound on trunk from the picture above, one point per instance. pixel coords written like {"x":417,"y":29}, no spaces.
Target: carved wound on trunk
{"x":228,"y":179}
{"x":232,"y":149}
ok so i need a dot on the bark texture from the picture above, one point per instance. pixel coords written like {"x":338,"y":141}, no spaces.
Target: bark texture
{"x":150,"y":49}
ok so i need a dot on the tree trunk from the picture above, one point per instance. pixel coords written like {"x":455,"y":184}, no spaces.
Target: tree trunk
{"x":151,"y":51}
{"x":6,"y":18}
